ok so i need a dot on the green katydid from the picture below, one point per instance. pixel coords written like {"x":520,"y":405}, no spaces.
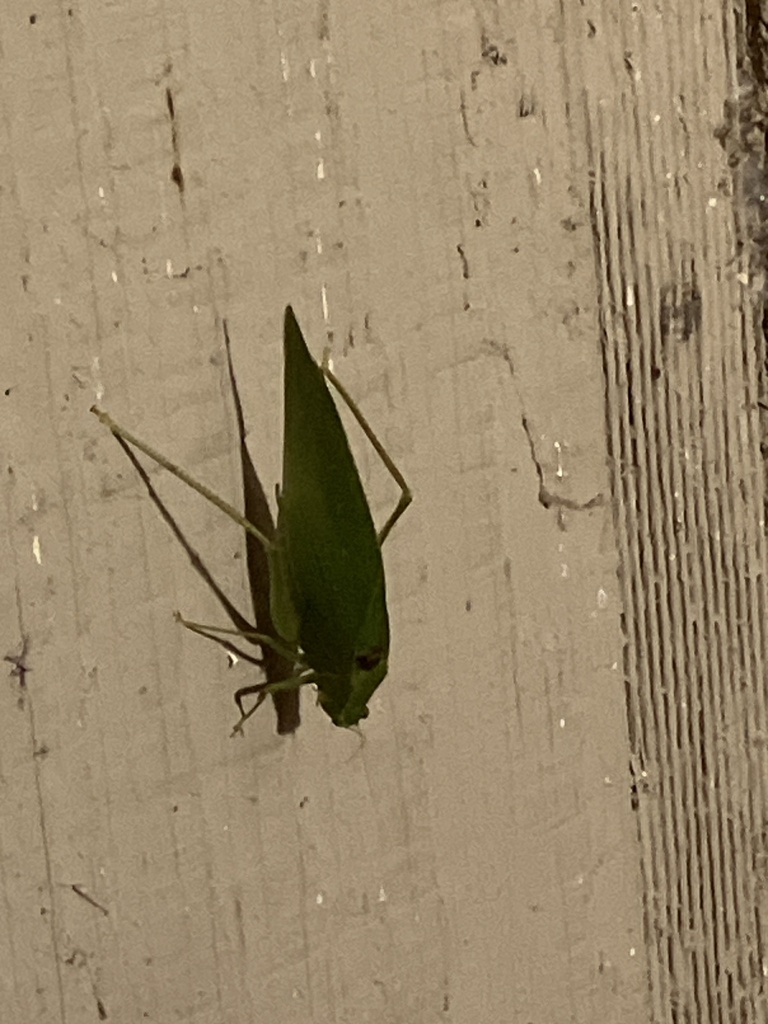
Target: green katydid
{"x":327,"y":590}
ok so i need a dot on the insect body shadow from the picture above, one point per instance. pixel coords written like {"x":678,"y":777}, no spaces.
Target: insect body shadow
{"x":256,"y":510}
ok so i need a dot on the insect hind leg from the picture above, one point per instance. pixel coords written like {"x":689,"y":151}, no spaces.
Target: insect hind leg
{"x":181,"y":474}
{"x":406,"y":495}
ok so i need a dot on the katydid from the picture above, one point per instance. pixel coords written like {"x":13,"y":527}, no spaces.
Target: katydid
{"x":327,"y":590}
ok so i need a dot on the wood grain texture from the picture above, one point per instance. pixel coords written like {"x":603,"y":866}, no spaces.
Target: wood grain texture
{"x":532,"y":236}
{"x":684,"y":366}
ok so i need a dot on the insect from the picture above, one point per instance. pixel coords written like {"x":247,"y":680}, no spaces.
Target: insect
{"x":326,"y":588}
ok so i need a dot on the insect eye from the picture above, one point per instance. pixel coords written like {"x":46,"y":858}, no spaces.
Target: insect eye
{"x":369,"y":659}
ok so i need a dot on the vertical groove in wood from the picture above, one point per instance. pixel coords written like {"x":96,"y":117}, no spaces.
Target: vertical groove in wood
{"x":681,"y":365}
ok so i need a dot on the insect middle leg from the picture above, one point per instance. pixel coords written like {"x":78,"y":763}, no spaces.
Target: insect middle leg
{"x":217,"y":632}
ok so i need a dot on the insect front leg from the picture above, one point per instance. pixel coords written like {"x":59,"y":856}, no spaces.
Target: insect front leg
{"x":262,"y":691}
{"x":406,"y":497}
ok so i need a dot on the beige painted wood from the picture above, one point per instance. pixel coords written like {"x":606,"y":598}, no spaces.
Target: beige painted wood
{"x":445,"y":193}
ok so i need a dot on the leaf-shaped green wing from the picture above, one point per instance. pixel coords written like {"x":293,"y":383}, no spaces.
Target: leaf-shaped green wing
{"x":325,"y":527}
